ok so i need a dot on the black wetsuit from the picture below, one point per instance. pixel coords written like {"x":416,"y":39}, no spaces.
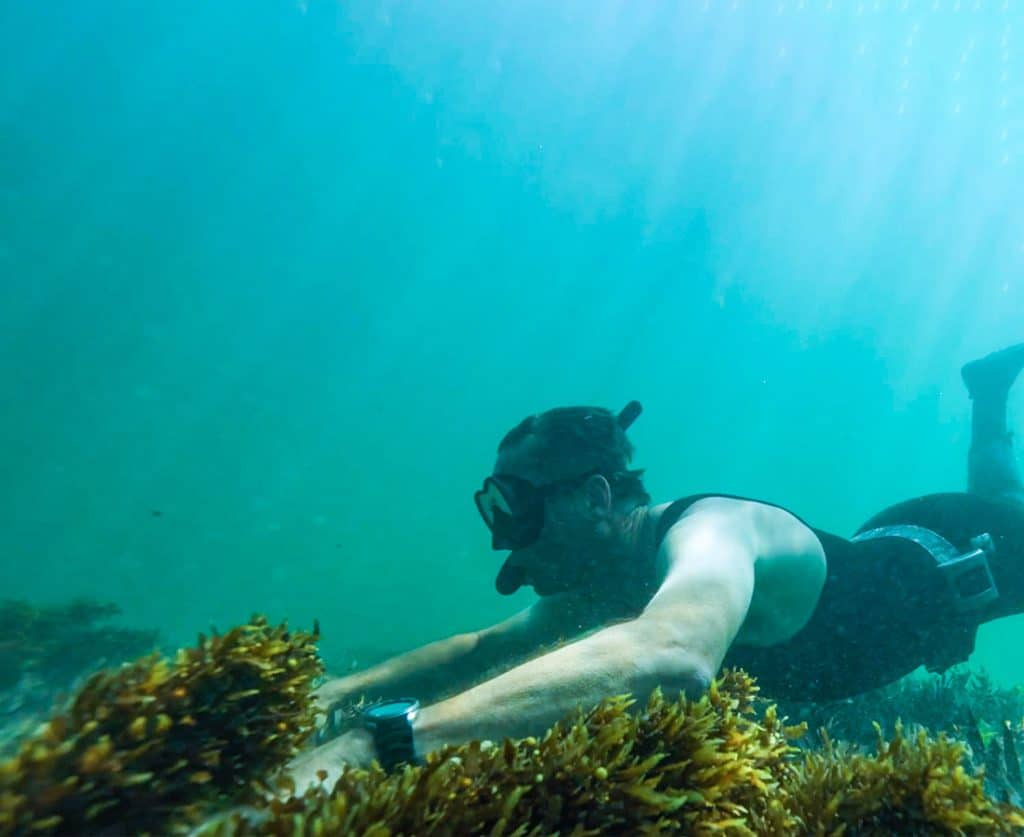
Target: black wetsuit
{"x":885,"y":608}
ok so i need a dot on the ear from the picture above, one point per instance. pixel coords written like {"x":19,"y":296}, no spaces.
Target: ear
{"x":597,"y":494}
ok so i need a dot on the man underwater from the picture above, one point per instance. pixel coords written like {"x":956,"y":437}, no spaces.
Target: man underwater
{"x":665,"y":595}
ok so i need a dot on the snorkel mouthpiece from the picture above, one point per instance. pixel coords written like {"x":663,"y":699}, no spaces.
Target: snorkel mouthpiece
{"x":510,"y":578}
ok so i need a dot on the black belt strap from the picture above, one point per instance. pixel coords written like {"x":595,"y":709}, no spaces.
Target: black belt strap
{"x":967,"y":574}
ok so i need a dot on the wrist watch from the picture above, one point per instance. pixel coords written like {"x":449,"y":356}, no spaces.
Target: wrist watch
{"x":390,"y":727}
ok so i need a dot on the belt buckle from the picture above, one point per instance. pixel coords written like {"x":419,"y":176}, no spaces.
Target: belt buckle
{"x":973,"y":563}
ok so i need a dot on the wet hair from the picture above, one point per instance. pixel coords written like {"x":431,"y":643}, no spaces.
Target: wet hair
{"x":575,"y":440}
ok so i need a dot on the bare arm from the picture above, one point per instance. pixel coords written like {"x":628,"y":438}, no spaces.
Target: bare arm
{"x":738,"y":571}
{"x":453,"y":664}
{"x":528,"y":699}
{"x":677,"y":643}
{"x":710,"y":560}
{"x":524,"y":700}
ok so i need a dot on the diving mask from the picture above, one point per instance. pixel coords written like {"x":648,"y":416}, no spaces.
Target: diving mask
{"x":513,"y":508}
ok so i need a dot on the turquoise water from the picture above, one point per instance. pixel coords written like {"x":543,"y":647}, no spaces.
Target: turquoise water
{"x":276,"y":277}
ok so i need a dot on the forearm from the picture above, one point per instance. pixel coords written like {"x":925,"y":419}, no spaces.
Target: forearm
{"x":427,"y":672}
{"x":528,"y":699}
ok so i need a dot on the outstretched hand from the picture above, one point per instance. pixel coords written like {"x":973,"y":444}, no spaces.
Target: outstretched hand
{"x":324,"y":764}
{"x":331,"y":700}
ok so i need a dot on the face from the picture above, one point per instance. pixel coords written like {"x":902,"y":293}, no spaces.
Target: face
{"x":570,"y":543}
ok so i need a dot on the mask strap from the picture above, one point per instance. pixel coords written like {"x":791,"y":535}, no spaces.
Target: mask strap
{"x":629,"y":414}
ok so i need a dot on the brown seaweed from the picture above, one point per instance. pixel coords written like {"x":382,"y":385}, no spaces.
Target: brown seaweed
{"x":160,"y":745}
{"x":669,"y":766}
{"x":909,"y":786}
{"x":158,"y":741}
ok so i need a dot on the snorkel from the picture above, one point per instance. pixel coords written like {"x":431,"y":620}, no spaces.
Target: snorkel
{"x":513,"y":509}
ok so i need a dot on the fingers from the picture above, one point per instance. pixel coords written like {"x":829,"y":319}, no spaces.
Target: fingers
{"x":330,"y":728}
{"x":329,"y":725}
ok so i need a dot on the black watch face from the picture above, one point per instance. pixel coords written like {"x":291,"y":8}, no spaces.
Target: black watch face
{"x":391,"y":710}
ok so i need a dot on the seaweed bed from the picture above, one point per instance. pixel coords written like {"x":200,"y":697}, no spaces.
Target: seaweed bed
{"x":963,"y":703}
{"x":194,"y":744}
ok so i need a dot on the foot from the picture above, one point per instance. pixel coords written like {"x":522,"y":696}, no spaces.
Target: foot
{"x":994,"y":373}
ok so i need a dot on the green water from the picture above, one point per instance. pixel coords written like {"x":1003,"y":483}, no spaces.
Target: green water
{"x":276,"y":277}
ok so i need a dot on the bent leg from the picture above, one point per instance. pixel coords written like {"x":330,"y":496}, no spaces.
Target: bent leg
{"x":992,"y":463}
